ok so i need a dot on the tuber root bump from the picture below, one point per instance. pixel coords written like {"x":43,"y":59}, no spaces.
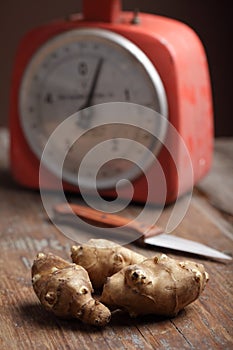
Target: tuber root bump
{"x":65,"y":289}
{"x":161,"y":285}
{"x":102,"y":258}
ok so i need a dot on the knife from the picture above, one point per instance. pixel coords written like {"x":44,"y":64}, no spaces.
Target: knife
{"x":152,"y":235}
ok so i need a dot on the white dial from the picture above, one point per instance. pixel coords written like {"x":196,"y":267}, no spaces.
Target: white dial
{"x":78,"y":69}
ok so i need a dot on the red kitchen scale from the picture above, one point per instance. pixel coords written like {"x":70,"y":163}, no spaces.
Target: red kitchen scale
{"x":108,"y":55}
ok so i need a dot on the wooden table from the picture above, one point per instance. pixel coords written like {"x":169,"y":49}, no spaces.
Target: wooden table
{"x":25,"y":230}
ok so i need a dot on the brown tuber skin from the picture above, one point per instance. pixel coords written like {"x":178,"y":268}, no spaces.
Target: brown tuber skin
{"x":161,"y":286}
{"x":65,"y":289}
{"x":102,"y":258}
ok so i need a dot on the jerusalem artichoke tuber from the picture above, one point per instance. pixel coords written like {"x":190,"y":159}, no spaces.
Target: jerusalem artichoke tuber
{"x":161,"y":285}
{"x":65,"y":289}
{"x":102,"y":258}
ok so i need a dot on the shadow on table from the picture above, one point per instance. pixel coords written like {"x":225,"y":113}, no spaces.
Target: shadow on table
{"x":7,"y":181}
{"x":35,"y":314}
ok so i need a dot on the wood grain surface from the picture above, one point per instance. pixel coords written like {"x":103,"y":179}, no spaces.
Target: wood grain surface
{"x":25,"y":230}
{"x":218,"y":184}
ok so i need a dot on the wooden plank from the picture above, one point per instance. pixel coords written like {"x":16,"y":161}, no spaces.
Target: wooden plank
{"x":24,"y":324}
{"x":218,"y":184}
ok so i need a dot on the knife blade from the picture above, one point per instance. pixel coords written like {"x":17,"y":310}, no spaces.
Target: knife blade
{"x":151,"y":235}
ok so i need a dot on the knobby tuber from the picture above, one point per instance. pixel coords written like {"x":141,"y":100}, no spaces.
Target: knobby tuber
{"x":102,"y":258}
{"x":65,"y":289}
{"x":161,"y":285}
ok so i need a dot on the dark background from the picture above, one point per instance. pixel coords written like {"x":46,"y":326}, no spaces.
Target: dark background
{"x":210,"y":19}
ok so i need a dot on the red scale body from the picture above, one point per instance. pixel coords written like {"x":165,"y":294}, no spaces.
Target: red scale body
{"x":178,"y":56}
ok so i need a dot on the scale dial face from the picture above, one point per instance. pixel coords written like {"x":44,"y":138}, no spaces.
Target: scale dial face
{"x":78,"y":69}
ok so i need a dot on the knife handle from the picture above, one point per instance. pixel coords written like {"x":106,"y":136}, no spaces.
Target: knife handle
{"x":106,"y":218}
